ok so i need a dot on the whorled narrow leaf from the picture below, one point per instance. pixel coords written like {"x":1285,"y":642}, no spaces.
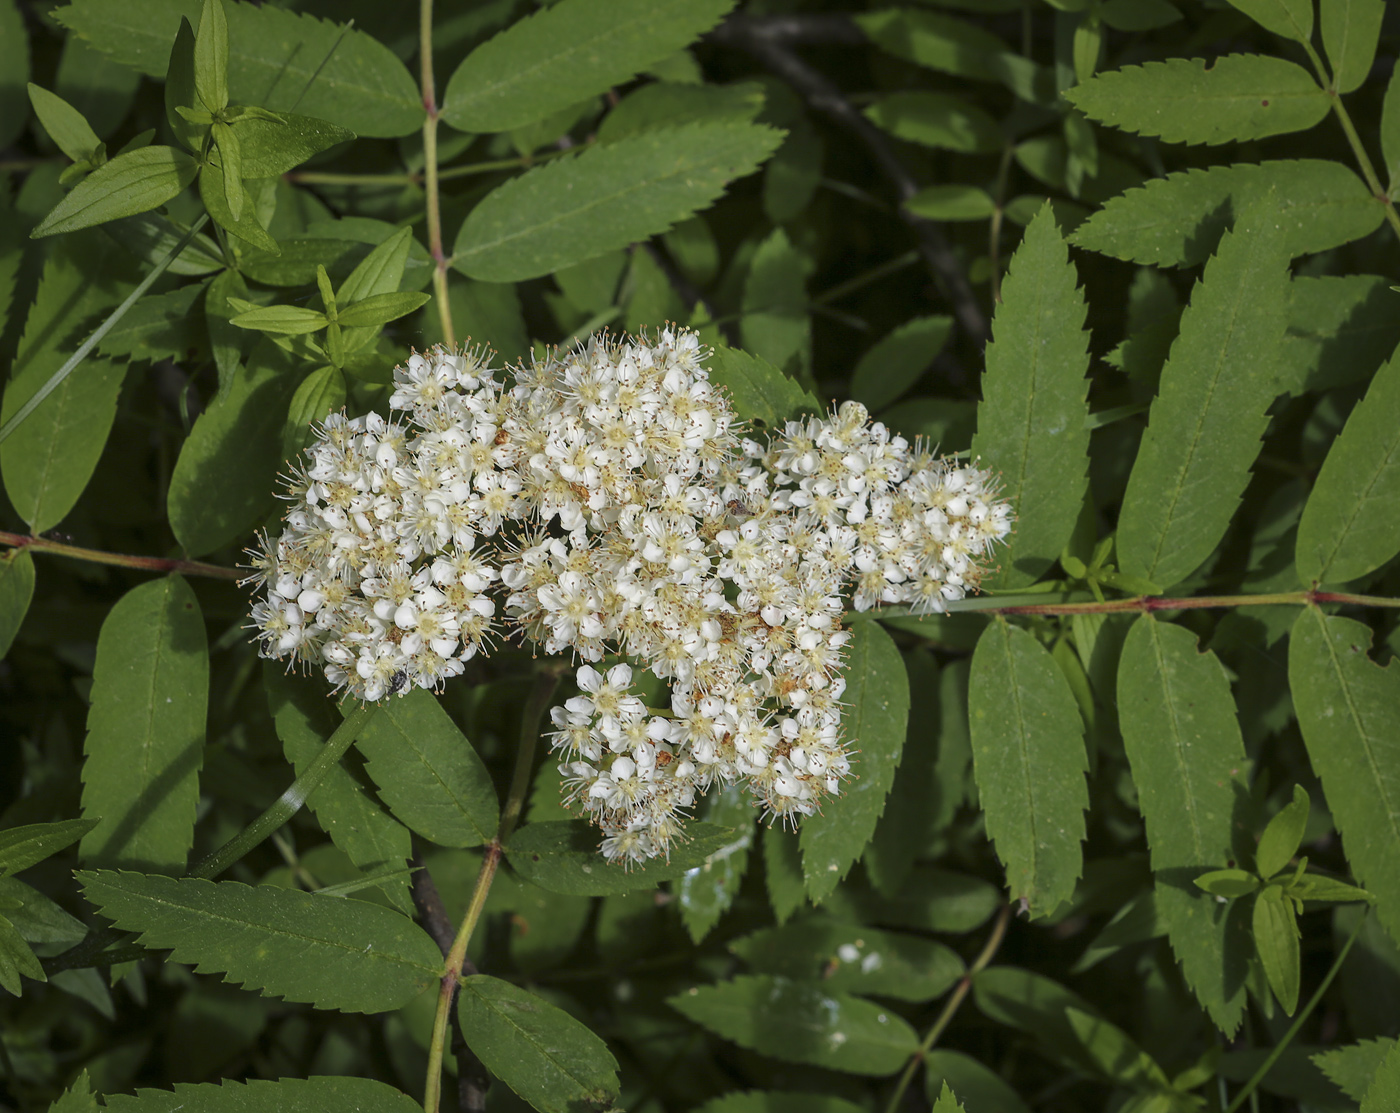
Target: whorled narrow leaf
{"x":1185,"y":100}
{"x":1349,"y":712}
{"x":606,"y":197}
{"x":537,"y":1049}
{"x":320,"y":394}
{"x":324,"y":1094}
{"x":1350,"y":526}
{"x":1350,"y":32}
{"x":1188,"y":760}
{"x":800,"y":1022}
{"x":214,"y":189}
{"x":64,"y":123}
{"x":16,"y":591}
{"x":876,"y":716}
{"x":333,"y":953}
{"x":370,"y":838}
{"x":49,"y":459}
{"x":283,"y":61}
{"x":132,"y":183}
{"x":1030,"y":423}
{"x":1204,"y":429}
{"x":1029,"y":760}
{"x":224,"y":476}
{"x":1317,"y":204}
{"x":428,"y":774}
{"x":145,"y":736}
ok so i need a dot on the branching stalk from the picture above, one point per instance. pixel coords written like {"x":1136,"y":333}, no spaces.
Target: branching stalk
{"x":546,"y":680}
{"x":430,"y":170}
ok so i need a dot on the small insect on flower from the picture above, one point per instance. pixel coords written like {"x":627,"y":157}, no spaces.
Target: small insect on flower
{"x":398,"y":682}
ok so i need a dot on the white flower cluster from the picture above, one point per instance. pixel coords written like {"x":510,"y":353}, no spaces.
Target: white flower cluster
{"x":607,"y":503}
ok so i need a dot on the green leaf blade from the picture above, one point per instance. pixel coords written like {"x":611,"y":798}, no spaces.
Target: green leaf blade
{"x":1349,"y":527}
{"x":16,"y":592}
{"x":877,"y":712}
{"x":286,"y":1095}
{"x":572,"y":50}
{"x":1030,"y":424}
{"x":22,"y":847}
{"x":1206,"y":422}
{"x":1238,"y":97}
{"x":758,"y":390}
{"x":801,"y":1022}
{"x":606,"y":197}
{"x":1188,"y":761}
{"x":1351,"y":30}
{"x":535,"y":1048}
{"x":145,"y":740}
{"x":1028,"y":756}
{"x":135,"y":182}
{"x":335,"y":954}
{"x":1349,"y":713}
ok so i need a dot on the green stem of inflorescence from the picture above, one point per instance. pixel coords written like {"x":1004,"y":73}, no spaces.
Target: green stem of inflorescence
{"x":121,"y":560}
{"x":546,"y":680}
{"x":430,"y":170}
{"x":955,"y":1000}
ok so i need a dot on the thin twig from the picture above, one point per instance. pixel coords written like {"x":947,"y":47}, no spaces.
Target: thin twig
{"x":122,"y":560}
{"x":766,"y":40}
{"x":430,"y":171}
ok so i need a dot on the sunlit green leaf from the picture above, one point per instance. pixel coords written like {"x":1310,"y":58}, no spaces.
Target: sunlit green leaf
{"x":1350,"y":31}
{"x":1282,"y":836}
{"x":1276,"y":939}
{"x":64,"y":123}
{"x":131,"y":183}
{"x":758,"y":390}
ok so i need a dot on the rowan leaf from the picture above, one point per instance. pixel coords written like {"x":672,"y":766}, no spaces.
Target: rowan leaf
{"x":1293,"y":19}
{"x":758,"y":390}
{"x":286,"y":1095}
{"x":1350,"y":31}
{"x":22,"y":847}
{"x":894,"y":363}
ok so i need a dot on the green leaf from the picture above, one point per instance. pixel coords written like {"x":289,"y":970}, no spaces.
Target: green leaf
{"x":370,"y":838}
{"x":1114,"y":1053}
{"x":562,"y":54}
{"x":1038,"y":1006}
{"x":321,"y":393}
{"x":757,"y":389}
{"x":1315,"y":887}
{"x":1204,"y":428}
{"x":1138,"y":15}
{"x":1340,"y":331}
{"x":16,"y":958}
{"x":1349,"y":527}
{"x":982,"y":1090}
{"x":151,"y":237}
{"x":1188,"y":762}
{"x":211,"y":57}
{"x":1350,"y":31}
{"x":782,"y":872}
{"x":956,"y":47}
{"x":937,"y":120}
{"x":224,"y":476}
{"x":562,"y":856}
{"x":800,"y":1022}
{"x":229,"y":154}
{"x":282,"y":320}
{"x":776,"y":322}
{"x":281,"y":60}
{"x":65,"y":124}
{"x":131,"y":183}
{"x":851,"y":958}
{"x":22,"y":847}
{"x":952,"y":202}
{"x":895,"y":363}
{"x":1228,"y":883}
{"x":1390,"y":130}
{"x":1384,"y":1092}
{"x":947,"y":1102}
{"x":1353,"y":1068}
{"x":14,"y":72}
{"x":1028,"y":755}
{"x":335,"y":954}
{"x":1317,"y":204}
{"x":16,"y":591}
{"x":662,"y":104}
{"x":706,"y":892}
{"x":1237,"y":97}
{"x":1283,"y":835}
{"x":930,"y":899}
{"x":78,"y":1098}
{"x":286,"y":1095}
{"x":428,"y":773}
{"x":606,"y":197}
{"x":1276,"y":939}
{"x":771,"y":1101}
{"x":1349,"y":713}
{"x":275,"y":142}
{"x":1293,"y":19}
{"x":214,"y":187}
{"x":380,"y":309}
{"x":159,"y":326}
{"x":145,"y":737}
{"x":227,"y":342}
{"x":535,"y":1048}
{"x":877,"y":712}
{"x":379,"y":272}
{"x":180,"y":89}
{"x":1030,"y":424}
{"x":35,"y":917}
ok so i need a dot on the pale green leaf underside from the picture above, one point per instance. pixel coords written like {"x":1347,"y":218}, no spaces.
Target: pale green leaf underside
{"x":1349,"y":713}
{"x":1205,"y":425}
{"x":564,"y":53}
{"x":1029,"y":759}
{"x":335,"y":954}
{"x":1175,"y":221}
{"x":800,"y":1022}
{"x":1237,"y":97}
{"x":1030,"y":423}
{"x":1188,"y":761}
{"x":145,"y":740}
{"x":1350,"y":525}
{"x":606,"y":197}
{"x":286,"y":1095}
{"x":537,"y":1049}
{"x":876,"y":714}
